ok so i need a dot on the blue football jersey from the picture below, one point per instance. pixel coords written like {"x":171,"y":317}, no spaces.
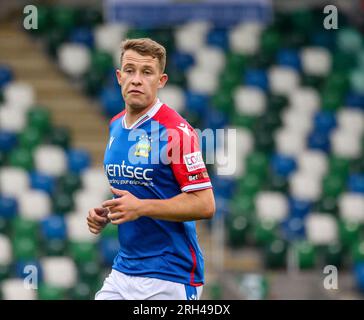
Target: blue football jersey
{"x":157,"y":157}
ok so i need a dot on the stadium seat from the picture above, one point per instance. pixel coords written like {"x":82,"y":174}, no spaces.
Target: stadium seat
{"x":349,"y":40}
{"x":305,"y":99}
{"x":8,"y":207}
{"x":245,"y":38}
{"x":109,"y":36}
{"x":351,"y":120}
{"x":82,"y":251}
{"x":345,"y":144}
{"x":86,"y":199}
{"x":53,"y":227}
{"x":13,"y":181}
{"x":48,"y":292}
{"x":8,"y":141}
{"x":78,"y":160}
{"x":74,"y":59}
{"x":321,"y":229}
{"x":313,"y":161}
{"x":108,"y":250}
{"x":59,"y":271}
{"x":82,"y":35}
{"x":41,"y":205}
{"x":173,"y":96}
{"x":351,"y":207}
{"x":77,"y":229}
{"x":271,"y":206}
{"x":356,"y":183}
{"x":12,"y":119}
{"x":94,"y":179}
{"x":282,"y":165}
{"x":20,"y":95}
{"x":201,"y":80}
{"x":50,"y":160}
{"x":42,"y":182}
{"x":6,"y":255}
{"x":25,"y":248}
{"x":305,"y":186}
{"x":191,"y":36}
{"x":62,"y":203}
{"x":290,"y":142}
{"x":39,"y":118}
{"x":14,"y":289}
{"x":283,"y":80}
{"x":211,"y":59}
{"x":249,"y":101}
{"x":297,"y":121}
{"x":316,"y":61}
{"x":30,"y":138}
{"x":6,"y":75}
{"x":305,"y":253}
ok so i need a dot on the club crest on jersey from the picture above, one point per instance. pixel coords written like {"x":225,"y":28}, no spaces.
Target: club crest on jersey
{"x":143,"y":147}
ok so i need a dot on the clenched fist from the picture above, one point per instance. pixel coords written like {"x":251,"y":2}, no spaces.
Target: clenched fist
{"x":97,"y":219}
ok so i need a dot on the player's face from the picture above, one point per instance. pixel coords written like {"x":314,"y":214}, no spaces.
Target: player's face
{"x":140,"y":78}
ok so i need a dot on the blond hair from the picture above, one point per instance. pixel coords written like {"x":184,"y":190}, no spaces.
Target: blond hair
{"x":145,"y":47}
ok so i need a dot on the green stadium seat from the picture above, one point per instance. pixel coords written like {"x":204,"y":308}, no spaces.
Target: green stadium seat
{"x":54,"y":247}
{"x":270,"y":40}
{"x":49,"y":292}
{"x":25,"y":248}
{"x":275,"y":254}
{"x":358,"y":251}
{"x":333,"y":185}
{"x":24,"y":227}
{"x":39,"y":118}
{"x":83,"y":252}
{"x":349,"y":232}
{"x":237,"y":225}
{"x":244,"y":121}
{"x":59,"y":136}
{"x":305,"y":253}
{"x":69,"y":183}
{"x":334,"y":255}
{"x":90,"y":273}
{"x":265,"y":232}
{"x":64,"y":18}
{"x":63,"y":203}
{"x":257,"y":163}
{"x":88,"y":16}
{"x":93,"y":81}
{"x":101,"y":61}
{"x":21,"y":158}
{"x":339,"y":166}
{"x":250,"y":184}
{"x":110,"y":231}
{"x":30,"y":138}
{"x":5,"y":272}
{"x":81,"y":291}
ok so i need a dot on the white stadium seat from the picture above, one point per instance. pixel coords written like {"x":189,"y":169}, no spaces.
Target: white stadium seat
{"x":14,"y":289}
{"x":191,"y":37}
{"x":313,"y":161}
{"x":108,"y":37}
{"x":316,"y":61}
{"x":345,"y":144}
{"x":250,"y":101}
{"x":297,"y":120}
{"x":19,"y":94}
{"x":283,"y":80}
{"x":271,"y":206}
{"x":86,"y":199}
{"x":13,"y":181}
{"x":59,"y":272}
{"x":321,"y":229}
{"x":210,"y":58}
{"x":305,"y":99}
{"x":74,"y":59}
{"x":351,"y":120}
{"x":305,"y":186}
{"x":202,"y":81}
{"x":50,"y":160}
{"x":289,"y":142}
{"x":245,"y":38}
{"x":34,"y":204}
{"x":228,"y":163}
{"x":12,"y":119}
{"x":6,"y":254}
{"x":351,"y":207}
{"x":173,"y":96}
{"x":77,"y":229}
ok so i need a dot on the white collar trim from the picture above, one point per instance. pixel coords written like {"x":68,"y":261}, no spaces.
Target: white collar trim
{"x":151,"y":113}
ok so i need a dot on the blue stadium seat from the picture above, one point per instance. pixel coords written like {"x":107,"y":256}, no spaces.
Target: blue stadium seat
{"x":356,"y":183}
{"x":354,"y":99}
{"x":324,"y":121}
{"x":283,"y":165}
{"x":8,"y":140}
{"x":293,"y":228}
{"x":78,"y":160}
{"x":289,"y":58}
{"x":256,"y":78}
{"x":42,"y":182}
{"x":53,"y":227}
{"x":8,"y":207}
{"x":6,"y":75}
{"x":82,"y":35}
{"x":359,"y":275}
{"x":219,"y":38}
{"x":299,"y":208}
{"x":196,"y":102}
{"x":181,"y":60}
{"x":26,"y":268}
{"x":319,"y":140}
{"x":111,"y":101}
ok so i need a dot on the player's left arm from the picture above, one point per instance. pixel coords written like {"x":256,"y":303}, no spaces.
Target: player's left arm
{"x":186,"y":206}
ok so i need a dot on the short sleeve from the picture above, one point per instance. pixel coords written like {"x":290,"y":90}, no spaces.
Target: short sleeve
{"x":186,"y":159}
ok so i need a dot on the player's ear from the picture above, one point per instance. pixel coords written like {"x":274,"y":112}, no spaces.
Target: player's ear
{"x":118,"y":75}
{"x":162,"y":80}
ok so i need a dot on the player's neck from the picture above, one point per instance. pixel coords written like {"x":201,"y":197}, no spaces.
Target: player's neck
{"x":133,"y":114}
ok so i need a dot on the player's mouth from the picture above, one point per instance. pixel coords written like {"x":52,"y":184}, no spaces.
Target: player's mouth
{"x":135,"y":92}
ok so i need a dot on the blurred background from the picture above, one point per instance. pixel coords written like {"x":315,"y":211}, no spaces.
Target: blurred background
{"x":293,"y":89}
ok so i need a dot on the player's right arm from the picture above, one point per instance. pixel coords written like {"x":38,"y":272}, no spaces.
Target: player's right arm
{"x":97,"y":219}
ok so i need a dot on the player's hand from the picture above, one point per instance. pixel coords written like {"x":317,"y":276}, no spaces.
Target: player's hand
{"x":97,"y":219}
{"x":125,"y":208}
